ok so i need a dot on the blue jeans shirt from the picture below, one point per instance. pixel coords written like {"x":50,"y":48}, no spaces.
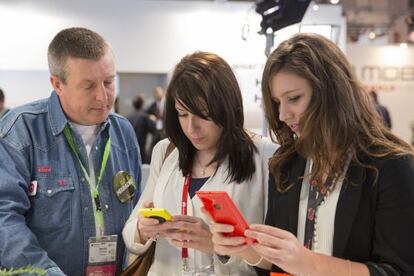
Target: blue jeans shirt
{"x":50,"y":230}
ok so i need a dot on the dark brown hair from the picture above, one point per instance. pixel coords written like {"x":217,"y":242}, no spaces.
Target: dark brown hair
{"x":339,"y":120}
{"x":74,"y":42}
{"x":204,"y":83}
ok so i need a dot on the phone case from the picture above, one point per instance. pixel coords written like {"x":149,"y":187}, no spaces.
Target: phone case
{"x":223,"y":210}
{"x":160,"y":214}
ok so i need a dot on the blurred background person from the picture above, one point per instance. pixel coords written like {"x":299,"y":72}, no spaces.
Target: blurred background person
{"x":156,"y":109}
{"x":3,"y":109}
{"x":143,"y":124}
{"x":382,"y":110}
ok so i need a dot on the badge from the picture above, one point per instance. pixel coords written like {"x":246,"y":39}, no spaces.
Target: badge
{"x":32,"y":188}
{"x":102,"y":256}
{"x":124,"y":186}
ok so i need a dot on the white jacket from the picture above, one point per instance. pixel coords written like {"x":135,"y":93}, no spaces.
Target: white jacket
{"x":164,"y":187}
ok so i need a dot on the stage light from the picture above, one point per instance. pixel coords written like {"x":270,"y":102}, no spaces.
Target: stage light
{"x":277,"y":14}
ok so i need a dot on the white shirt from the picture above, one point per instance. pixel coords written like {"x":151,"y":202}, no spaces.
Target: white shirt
{"x":88,"y":134}
{"x":324,"y":217}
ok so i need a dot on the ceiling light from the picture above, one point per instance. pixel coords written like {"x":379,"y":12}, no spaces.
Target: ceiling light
{"x":372,"y":35}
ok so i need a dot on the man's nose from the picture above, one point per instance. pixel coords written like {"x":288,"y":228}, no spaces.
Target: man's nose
{"x":102,"y":93}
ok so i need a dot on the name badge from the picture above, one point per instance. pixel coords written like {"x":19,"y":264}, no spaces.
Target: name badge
{"x":124,"y":186}
{"x":102,"y":256}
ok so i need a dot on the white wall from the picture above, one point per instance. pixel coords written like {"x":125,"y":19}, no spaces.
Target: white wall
{"x":390,"y":71}
{"x":147,"y":37}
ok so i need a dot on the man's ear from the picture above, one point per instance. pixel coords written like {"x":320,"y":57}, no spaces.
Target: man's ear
{"x":57,"y":84}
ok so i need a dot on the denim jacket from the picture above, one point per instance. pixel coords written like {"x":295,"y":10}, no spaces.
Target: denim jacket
{"x":50,"y":229}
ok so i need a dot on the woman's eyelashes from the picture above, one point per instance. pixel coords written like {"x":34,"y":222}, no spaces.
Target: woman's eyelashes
{"x":294,"y":98}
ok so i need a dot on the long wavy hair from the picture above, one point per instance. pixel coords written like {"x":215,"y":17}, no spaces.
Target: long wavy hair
{"x":339,"y":120}
{"x":206,"y":85}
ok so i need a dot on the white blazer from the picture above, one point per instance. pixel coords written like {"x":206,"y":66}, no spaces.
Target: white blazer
{"x":164,"y":187}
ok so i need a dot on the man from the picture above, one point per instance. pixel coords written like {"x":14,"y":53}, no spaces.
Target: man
{"x":3,"y":109}
{"x":382,"y":110}
{"x":156,"y":110}
{"x":157,"y":107}
{"x":69,"y":168}
{"x":143,"y":125}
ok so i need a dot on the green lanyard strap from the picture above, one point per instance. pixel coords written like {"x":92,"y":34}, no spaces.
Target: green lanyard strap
{"x":95,"y":192}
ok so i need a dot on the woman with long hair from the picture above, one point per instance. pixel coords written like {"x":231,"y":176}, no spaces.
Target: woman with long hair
{"x":341,"y":185}
{"x":204,"y":121}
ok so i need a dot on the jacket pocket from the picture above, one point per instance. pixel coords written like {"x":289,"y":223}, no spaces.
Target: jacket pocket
{"x":51,"y":207}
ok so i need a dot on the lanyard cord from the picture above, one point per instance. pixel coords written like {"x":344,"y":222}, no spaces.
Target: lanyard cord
{"x":184,"y":251}
{"x":315,"y":197}
{"x":95,"y":192}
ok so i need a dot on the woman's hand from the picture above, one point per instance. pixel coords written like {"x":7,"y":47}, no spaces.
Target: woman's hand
{"x":149,"y":228}
{"x":190,"y":232}
{"x":227,"y":245}
{"x":281,"y":248}
{"x":230,"y":246}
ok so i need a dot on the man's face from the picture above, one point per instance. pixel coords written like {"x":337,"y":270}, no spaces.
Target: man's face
{"x":89,"y":92}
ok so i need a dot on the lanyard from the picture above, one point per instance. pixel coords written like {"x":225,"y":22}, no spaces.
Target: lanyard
{"x":184,"y":251}
{"x":95,"y":192}
{"x":315,"y":198}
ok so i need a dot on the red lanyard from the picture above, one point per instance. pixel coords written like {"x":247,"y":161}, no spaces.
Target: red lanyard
{"x":184,"y":251}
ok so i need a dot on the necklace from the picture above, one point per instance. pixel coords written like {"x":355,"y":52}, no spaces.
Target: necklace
{"x":203,"y":168}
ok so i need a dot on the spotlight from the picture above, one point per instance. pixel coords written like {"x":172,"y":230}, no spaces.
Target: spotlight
{"x":277,"y":14}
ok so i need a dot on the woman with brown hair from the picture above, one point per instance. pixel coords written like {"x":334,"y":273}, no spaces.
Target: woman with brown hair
{"x":204,"y":121}
{"x":341,"y":185}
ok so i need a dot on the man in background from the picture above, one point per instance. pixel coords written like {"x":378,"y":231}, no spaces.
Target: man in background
{"x":143,"y":125}
{"x":3,"y":109}
{"x":382,"y":110}
{"x":157,"y":110}
{"x":70,"y":169}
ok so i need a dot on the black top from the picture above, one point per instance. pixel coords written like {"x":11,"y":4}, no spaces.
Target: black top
{"x":196,"y":184}
{"x":374,"y":222}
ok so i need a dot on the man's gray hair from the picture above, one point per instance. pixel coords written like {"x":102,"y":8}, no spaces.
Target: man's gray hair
{"x":74,"y":42}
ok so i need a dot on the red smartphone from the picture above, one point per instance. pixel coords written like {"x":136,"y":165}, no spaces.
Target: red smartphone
{"x":223,"y":210}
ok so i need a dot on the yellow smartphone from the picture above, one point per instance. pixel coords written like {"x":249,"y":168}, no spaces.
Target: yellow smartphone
{"x":161,"y":214}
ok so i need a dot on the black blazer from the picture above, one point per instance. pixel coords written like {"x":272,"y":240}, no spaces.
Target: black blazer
{"x":374,"y":223}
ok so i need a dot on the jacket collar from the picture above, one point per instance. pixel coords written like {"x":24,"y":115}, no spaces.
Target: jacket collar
{"x":347,"y":207}
{"x":296,"y":177}
{"x":57,"y":118}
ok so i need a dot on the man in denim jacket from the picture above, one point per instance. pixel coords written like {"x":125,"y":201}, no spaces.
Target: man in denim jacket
{"x":68,"y":167}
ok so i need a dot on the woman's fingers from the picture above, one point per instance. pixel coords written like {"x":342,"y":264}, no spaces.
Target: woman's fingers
{"x":228,"y":241}
{"x":148,"y":204}
{"x":267,"y":239}
{"x":221,"y":228}
{"x":270,"y":230}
